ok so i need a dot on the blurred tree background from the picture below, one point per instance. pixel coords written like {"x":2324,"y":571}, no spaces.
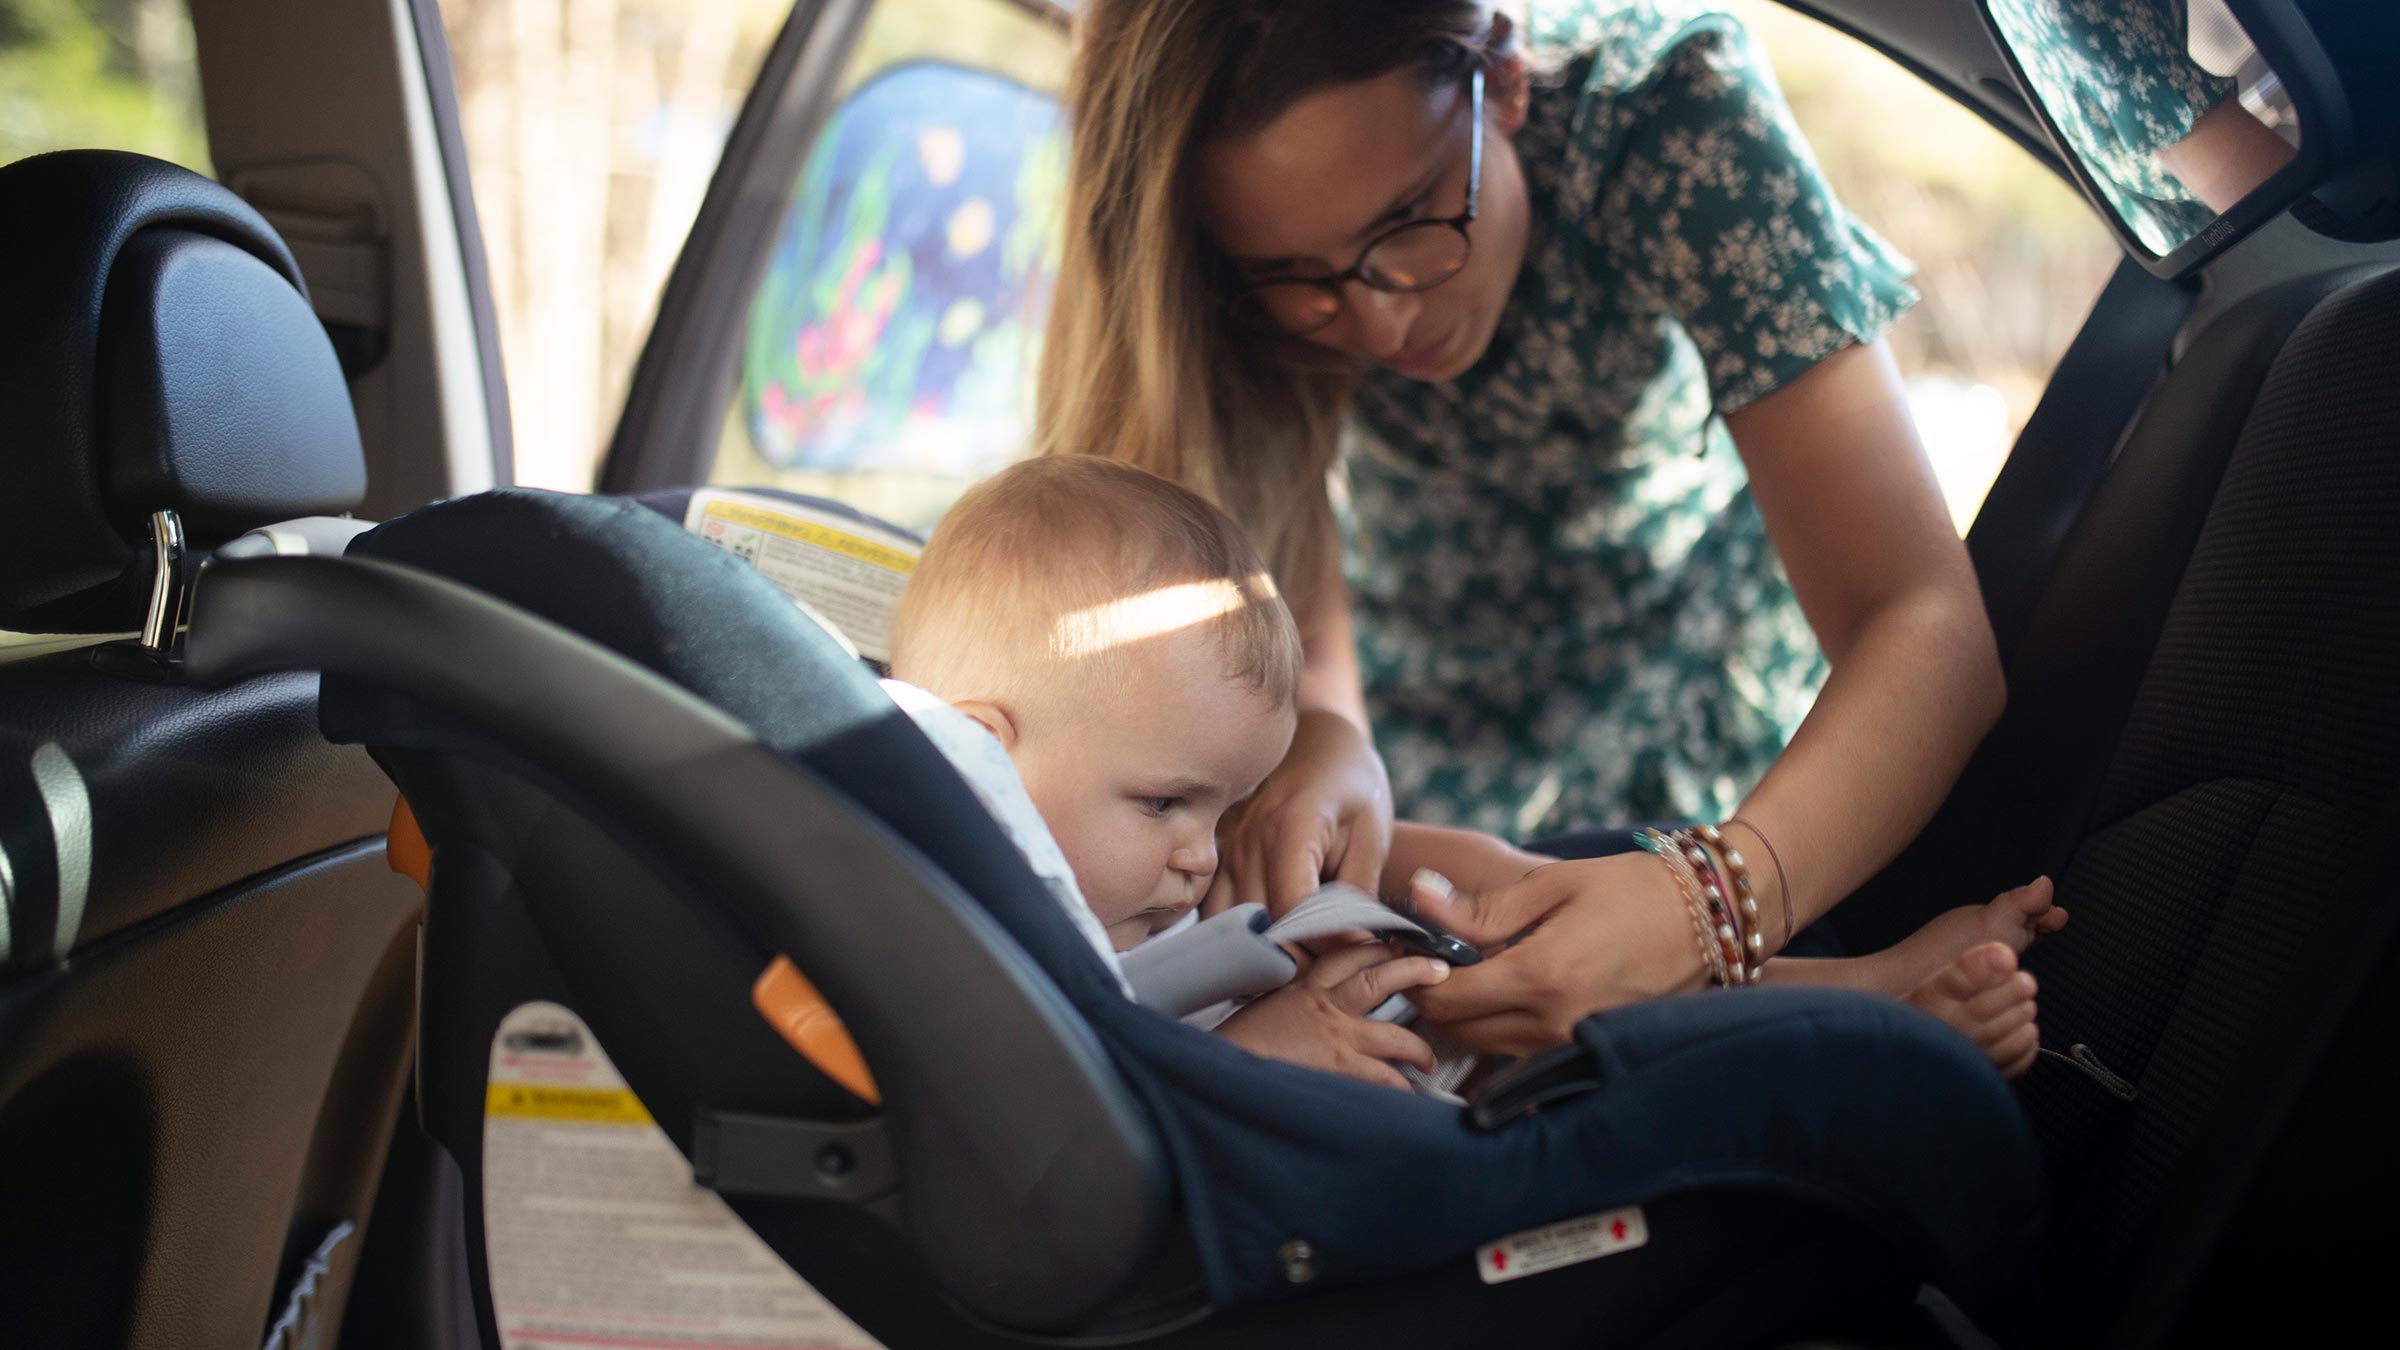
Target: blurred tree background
{"x":117,"y":73}
{"x":592,"y":127}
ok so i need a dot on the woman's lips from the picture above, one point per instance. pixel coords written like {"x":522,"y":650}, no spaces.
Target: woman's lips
{"x":1422,"y":359}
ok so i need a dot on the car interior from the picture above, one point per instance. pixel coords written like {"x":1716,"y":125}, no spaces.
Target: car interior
{"x":364,"y":821}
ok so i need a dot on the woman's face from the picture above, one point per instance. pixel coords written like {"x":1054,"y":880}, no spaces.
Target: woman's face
{"x":1301,"y":196}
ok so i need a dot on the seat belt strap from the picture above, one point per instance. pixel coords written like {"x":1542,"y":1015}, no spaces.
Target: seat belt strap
{"x":2100,"y":385}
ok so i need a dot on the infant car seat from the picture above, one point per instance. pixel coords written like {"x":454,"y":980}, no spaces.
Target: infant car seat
{"x":644,"y":775}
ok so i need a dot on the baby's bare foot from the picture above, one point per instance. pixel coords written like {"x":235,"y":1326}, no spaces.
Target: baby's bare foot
{"x":1989,"y":1000}
{"x":2018,"y":917}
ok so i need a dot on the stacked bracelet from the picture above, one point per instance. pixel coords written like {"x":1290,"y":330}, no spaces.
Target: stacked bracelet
{"x":1717,"y":890}
{"x":1739,"y":897}
{"x":1712,"y":953}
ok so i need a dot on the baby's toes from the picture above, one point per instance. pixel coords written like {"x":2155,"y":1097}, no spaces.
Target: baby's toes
{"x":1978,"y":972}
{"x":2016,"y":917}
{"x":1991,"y":1031}
{"x":2015,"y":1052}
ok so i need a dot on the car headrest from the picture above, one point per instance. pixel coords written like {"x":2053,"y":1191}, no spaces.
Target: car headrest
{"x":157,"y":352}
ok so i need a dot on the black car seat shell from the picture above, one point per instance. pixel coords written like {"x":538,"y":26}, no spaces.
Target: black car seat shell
{"x":649,"y":906}
{"x":206,"y":970}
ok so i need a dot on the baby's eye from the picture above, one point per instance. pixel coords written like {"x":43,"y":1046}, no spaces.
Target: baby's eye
{"x":1159,"y":806}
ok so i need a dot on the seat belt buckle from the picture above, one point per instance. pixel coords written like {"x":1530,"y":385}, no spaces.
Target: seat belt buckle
{"x":1532,"y":1083}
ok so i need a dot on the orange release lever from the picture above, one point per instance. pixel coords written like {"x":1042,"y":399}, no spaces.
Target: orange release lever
{"x":404,"y":846}
{"x":782,"y":994}
{"x":795,"y":1009}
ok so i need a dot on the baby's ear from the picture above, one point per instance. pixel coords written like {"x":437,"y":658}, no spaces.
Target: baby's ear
{"x":992,"y":718}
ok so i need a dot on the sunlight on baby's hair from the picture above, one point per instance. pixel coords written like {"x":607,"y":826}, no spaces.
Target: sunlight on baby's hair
{"x":1169,"y":609}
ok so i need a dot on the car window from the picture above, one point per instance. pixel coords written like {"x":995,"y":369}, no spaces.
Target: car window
{"x":2009,"y":255}
{"x":888,"y":351}
{"x":100,"y":74}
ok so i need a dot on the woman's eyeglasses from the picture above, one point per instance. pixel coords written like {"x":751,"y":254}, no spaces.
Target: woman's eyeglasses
{"x":1417,"y":256}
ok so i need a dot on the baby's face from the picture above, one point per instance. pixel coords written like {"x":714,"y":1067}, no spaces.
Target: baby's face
{"x":1133,"y":781}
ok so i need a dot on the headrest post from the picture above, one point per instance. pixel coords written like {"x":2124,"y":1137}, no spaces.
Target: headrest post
{"x":167,"y":588}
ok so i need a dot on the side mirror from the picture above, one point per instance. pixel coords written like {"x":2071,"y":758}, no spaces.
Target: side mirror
{"x":2193,"y":122}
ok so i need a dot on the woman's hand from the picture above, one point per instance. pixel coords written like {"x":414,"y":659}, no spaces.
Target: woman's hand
{"x":1469,"y":860}
{"x":1596,"y":933}
{"x":1324,"y":814}
{"x":1319,"y":1020}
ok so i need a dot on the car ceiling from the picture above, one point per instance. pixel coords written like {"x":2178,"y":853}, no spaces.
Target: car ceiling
{"x":1945,"y":43}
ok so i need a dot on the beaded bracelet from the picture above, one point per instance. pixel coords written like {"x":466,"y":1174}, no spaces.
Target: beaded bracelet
{"x":1783,"y":881}
{"x":1737,"y":932}
{"x":1717,"y":915}
{"x":1712,"y":959}
{"x":1712,"y":952}
{"x":1739,"y":895}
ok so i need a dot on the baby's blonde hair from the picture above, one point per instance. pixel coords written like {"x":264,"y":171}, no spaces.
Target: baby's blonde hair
{"x":1051,"y":569}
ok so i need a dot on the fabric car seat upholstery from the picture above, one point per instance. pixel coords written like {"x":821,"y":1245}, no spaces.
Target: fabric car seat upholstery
{"x":538,"y":893}
{"x":2201,"y":748}
{"x":205,"y":966}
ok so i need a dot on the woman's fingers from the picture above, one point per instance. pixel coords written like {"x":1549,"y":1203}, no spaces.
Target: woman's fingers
{"x":1249,"y":859}
{"x":1295,"y":871}
{"x":1361,"y":857}
{"x":1490,"y":918}
{"x":1220,"y":896}
{"x":1488,"y":989}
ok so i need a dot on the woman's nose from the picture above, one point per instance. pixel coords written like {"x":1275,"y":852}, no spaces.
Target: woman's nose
{"x":1375,"y":323}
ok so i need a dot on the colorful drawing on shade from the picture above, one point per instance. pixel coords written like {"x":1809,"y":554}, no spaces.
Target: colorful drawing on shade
{"x":896,"y":326}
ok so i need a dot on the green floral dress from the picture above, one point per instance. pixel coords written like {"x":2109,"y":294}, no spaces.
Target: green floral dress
{"x":1569,"y":613}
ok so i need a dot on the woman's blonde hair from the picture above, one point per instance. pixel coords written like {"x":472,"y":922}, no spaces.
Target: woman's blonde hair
{"x":1142,"y":362}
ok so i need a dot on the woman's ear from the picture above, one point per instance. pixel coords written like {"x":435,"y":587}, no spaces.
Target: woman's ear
{"x":1505,"y":86}
{"x":992,"y":718}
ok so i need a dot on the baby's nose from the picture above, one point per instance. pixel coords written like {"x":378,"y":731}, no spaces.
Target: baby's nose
{"x":1197,"y":859}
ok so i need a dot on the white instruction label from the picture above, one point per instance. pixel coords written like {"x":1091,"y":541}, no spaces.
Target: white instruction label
{"x":1561,"y":1244}
{"x":845,"y":570}
{"x":597,"y":1234}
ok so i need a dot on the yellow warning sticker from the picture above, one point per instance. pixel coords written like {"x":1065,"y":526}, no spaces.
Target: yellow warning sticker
{"x":599,"y":1237}
{"x":569,"y":1105}
{"x":846,"y":574}
{"x":792,"y":527}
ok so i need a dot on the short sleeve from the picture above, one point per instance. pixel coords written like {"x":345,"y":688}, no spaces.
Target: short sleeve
{"x":1717,"y":209}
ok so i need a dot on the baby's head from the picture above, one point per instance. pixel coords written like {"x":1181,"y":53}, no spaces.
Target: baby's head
{"x":1122,"y":639}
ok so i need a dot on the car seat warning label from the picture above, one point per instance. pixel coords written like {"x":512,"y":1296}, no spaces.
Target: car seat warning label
{"x":1561,"y":1244}
{"x":598,"y":1235}
{"x":844,"y":569}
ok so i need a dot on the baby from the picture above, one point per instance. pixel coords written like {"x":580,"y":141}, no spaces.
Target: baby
{"x":1117,"y":637}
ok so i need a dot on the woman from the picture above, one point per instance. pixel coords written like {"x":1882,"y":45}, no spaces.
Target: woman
{"x":1526,"y":284}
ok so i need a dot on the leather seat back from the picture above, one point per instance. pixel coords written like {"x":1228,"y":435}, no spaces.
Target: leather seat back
{"x":205,"y":966}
